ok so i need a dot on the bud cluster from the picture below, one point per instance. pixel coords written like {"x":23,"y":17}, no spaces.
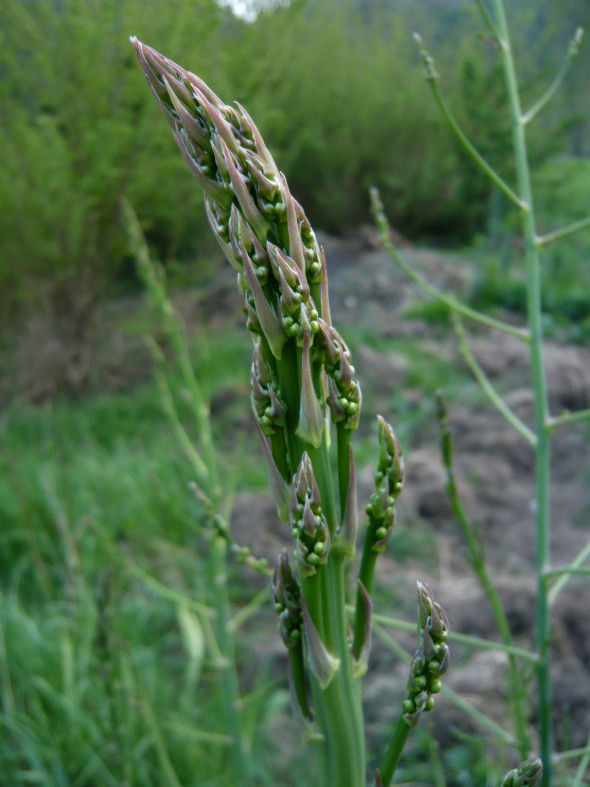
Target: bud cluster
{"x":255,"y":219}
{"x":389,"y":479}
{"x":268,"y":405}
{"x":287,"y":601}
{"x":431,"y":660}
{"x":266,"y":237}
{"x":344,"y":393}
{"x":298,"y":311}
{"x":310,"y":528}
{"x":528,"y":774}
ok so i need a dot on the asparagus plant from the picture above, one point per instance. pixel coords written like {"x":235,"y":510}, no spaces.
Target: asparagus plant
{"x":528,"y":774}
{"x":539,"y":436}
{"x":306,"y":401}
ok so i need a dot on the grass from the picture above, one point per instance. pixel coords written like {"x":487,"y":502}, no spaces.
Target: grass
{"x":107,"y":675}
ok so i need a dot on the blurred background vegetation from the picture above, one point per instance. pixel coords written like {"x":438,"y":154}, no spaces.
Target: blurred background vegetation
{"x":95,"y":516}
{"x":337,"y":91}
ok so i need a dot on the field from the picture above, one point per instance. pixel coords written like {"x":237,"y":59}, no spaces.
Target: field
{"x":108,"y":677}
{"x":138,"y":626}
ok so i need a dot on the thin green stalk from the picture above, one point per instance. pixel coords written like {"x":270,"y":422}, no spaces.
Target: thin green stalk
{"x":289,"y":384}
{"x":564,"y":232}
{"x":217,"y":568}
{"x":251,"y":608}
{"x":203,"y":611}
{"x":432,"y":77}
{"x":477,"y":716}
{"x":572,"y":754}
{"x":205,"y":467}
{"x":298,"y":676}
{"x":542,"y":448}
{"x":199,"y":467}
{"x":478,"y":562}
{"x":480,"y":718}
{"x":394,"y":751}
{"x":153,"y":278}
{"x":572,"y":51}
{"x":343,"y":436}
{"x":448,"y":300}
{"x":564,"y":579}
{"x":463,"y":639}
{"x":582,"y":767}
{"x":168,"y":772}
{"x":366,"y":576}
{"x":219,"y":738}
{"x":8,"y":703}
{"x":487,"y":19}
{"x":570,"y":570}
{"x":436,"y":761}
{"x":568,"y":418}
{"x":310,"y":589}
{"x":488,"y":388}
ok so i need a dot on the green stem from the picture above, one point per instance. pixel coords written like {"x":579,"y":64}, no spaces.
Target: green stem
{"x":489,"y":389}
{"x":554,"y":86}
{"x":570,"y":229}
{"x":279,"y":453}
{"x":248,"y":611}
{"x":487,"y":19}
{"x":568,"y":418}
{"x":394,"y":751}
{"x":320,"y":458}
{"x":198,"y":464}
{"x":463,"y":639}
{"x":230,"y":686}
{"x":572,"y":754}
{"x":564,"y":579}
{"x":299,"y":681}
{"x":432,"y":78}
{"x":582,"y":767}
{"x":343,"y":436}
{"x":477,"y":561}
{"x":287,"y":369}
{"x":153,"y":277}
{"x":570,"y":570}
{"x":477,"y":716}
{"x":448,"y":300}
{"x":542,"y":448}
{"x":338,"y":706}
{"x":345,"y":737}
{"x":366,"y":576}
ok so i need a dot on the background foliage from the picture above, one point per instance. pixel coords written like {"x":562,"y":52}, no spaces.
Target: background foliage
{"x":335,"y":87}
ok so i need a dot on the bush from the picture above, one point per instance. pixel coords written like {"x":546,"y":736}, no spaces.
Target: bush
{"x":80,"y":134}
